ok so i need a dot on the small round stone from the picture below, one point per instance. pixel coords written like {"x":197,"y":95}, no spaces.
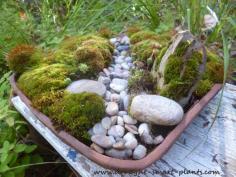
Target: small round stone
{"x":143,"y":128}
{"x":120,"y":154}
{"x":129,"y":120}
{"x":106,"y":122}
{"x":119,"y":145}
{"x":116,"y":131}
{"x":120,"y":121}
{"x":115,"y":97}
{"x":108,"y":96}
{"x":112,"y":108}
{"x":102,"y":140}
{"x":139,"y":152}
{"x":146,"y":138}
{"x":158,"y":140}
{"x":98,"y":129}
{"x":130,"y":141}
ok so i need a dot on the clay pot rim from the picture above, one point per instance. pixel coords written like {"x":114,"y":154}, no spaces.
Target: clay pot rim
{"x":119,"y":164}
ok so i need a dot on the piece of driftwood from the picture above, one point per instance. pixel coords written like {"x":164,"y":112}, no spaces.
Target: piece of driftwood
{"x":216,"y":155}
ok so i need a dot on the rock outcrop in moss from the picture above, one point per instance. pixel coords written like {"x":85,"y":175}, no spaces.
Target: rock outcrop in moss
{"x":23,"y":58}
{"x":78,"y":112}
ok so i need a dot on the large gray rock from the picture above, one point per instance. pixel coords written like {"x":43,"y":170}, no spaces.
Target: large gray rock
{"x":156,"y":109}
{"x":85,"y":85}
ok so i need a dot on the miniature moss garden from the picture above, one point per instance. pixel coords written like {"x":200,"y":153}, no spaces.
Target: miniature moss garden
{"x":119,"y":95}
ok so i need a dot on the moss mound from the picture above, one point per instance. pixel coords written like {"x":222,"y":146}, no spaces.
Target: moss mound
{"x":105,"y":32}
{"x":180,"y":76}
{"x":203,"y":87}
{"x":23,"y":58}
{"x":145,"y":49}
{"x":140,"y":80}
{"x":45,"y":79}
{"x":132,"y":30}
{"x":143,"y":35}
{"x":78,"y":112}
{"x":93,"y":51}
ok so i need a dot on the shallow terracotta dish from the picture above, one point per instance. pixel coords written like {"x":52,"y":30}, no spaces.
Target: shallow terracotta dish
{"x":118,"y":164}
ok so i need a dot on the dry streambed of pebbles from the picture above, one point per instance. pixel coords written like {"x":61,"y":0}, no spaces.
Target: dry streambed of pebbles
{"x":119,"y":134}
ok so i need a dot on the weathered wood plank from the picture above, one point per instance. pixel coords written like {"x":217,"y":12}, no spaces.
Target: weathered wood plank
{"x":218,"y":152}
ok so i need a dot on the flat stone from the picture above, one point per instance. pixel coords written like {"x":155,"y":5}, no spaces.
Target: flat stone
{"x":120,"y":154}
{"x":97,"y":148}
{"x":129,"y":120}
{"x":119,"y":85}
{"x":139,"y":152}
{"x":116,"y":131}
{"x":98,"y":129}
{"x":85,"y":85}
{"x":130,"y":141}
{"x":112,"y":108}
{"x":156,"y":109}
{"x":102,"y":140}
{"x":131,"y":128}
{"x":106,"y":122}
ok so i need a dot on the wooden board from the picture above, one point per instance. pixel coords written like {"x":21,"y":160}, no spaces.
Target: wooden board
{"x":216,"y":151}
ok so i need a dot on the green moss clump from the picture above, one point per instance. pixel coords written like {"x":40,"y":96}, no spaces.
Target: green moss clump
{"x":105,"y":32}
{"x":177,"y":86}
{"x":203,"y":87}
{"x":93,"y":51}
{"x":23,"y":58}
{"x":145,"y":49}
{"x":78,"y":112}
{"x":140,"y":80}
{"x":44,"y":79}
{"x":143,"y":35}
{"x":214,"y":68}
{"x":175,"y":89}
{"x":132,"y":30}
{"x":44,"y":100}
{"x":92,"y":57}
